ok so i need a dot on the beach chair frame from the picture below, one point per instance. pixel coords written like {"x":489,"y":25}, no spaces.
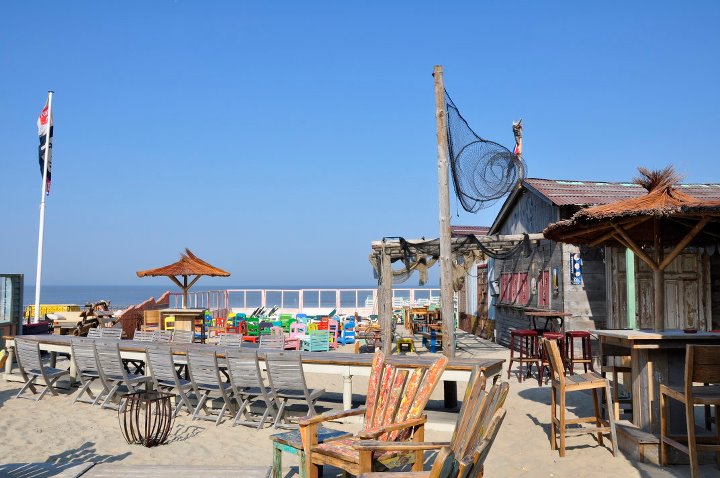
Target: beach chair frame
{"x":248,"y":385}
{"x":27,"y":356}
{"x":162,"y":372}
{"x":205,"y":377}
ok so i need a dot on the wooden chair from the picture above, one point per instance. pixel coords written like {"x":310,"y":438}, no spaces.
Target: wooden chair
{"x":287,"y":381}
{"x":475,"y":430}
{"x":183,"y":337}
{"x":247,"y":384}
{"x":164,"y":377}
{"x":318,"y":341}
{"x":561,"y":385}
{"x":230,"y":340}
{"x":162,"y":336}
{"x":94,"y":333}
{"x":702,"y":365}
{"x":27,"y":355}
{"x":143,"y":336}
{"x":206,"y":379}
{"x":113,"y":373}
{"x":111,"y":333}
{"x":88,"y":371}
{"x":275,"y":341}
{"x":393,"y":412}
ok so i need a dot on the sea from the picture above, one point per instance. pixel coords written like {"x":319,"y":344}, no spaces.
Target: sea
{"x":121,"y":296}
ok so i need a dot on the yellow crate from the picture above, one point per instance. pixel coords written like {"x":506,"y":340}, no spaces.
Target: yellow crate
{"x":51,"y":309}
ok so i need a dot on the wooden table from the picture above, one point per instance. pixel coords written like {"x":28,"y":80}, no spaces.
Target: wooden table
{"x":656,"y":357}
{"x":548,"y":315}
{"x":334,"y":363}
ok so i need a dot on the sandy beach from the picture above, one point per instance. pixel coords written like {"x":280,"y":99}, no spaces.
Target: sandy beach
{"x":56,"y":431}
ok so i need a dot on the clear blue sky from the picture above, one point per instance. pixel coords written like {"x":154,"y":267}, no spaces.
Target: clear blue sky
{"x":278,"y":139}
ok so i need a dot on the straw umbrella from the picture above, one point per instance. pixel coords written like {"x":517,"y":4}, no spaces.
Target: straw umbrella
{"x":664,"y":217}
{"x":188,"y":265}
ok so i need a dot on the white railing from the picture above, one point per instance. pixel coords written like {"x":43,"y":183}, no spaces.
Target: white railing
{"x":294,"y":301}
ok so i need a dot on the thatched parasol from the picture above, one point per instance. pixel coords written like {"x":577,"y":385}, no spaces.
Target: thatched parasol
{"x":188,"y":265}
{"x":664,"y":217}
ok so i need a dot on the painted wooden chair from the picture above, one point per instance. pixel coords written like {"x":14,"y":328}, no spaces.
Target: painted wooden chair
{"x":393,"y":412}
{"x":253,"y":329}
{"x":475,"y":430}
{"x":27,"y":355}
{"x":292,"y":341}
{"x":334,"y":329}
{"x":317,"y":341}
{"x":347,"y":336}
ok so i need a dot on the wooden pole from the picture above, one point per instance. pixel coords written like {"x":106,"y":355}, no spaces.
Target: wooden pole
{"x":385,"y":302}
{"x":446,"y":291}
{"x":659,"y":278}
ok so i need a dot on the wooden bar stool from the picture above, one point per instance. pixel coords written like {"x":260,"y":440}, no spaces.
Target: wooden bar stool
{"x":560,"y":386}
{"x":527,"y":342}
{"x":702,"y":365}
{"x":570,"y":359}
{"x":558,"y":338}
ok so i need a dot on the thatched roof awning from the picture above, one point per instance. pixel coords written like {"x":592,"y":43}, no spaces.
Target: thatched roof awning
{"x":188,"y":265}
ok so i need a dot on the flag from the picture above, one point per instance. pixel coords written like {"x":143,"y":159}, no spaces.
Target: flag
{"x":45,"y":126}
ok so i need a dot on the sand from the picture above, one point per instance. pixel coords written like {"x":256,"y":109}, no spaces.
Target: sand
{"x":56,"y":431}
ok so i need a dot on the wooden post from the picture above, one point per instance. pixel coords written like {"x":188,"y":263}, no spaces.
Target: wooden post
{"x":659,"y":279}
{"x":446,"y":291}
{"x":385,"y":301}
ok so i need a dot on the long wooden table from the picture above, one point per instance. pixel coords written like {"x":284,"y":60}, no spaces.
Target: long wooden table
{"x":334,"y":363}
{"x":656,"y":357}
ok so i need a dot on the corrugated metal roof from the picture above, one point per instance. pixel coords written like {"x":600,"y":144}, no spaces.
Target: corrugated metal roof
{"x":464,"y":230}
{"x":583,"y":193}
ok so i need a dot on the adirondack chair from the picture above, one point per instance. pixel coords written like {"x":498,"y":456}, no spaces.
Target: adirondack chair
{"x":347,"y":336}
{"x":293,"y":341}
{"x":475,"y":430}
{"x":334,"y":329}
{"x":393,"y":412}
{"x":318,"y":341}
{"x":253,"y":330}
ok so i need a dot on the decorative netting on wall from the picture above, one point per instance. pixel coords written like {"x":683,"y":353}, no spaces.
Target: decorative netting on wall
{"x":482,"y":171}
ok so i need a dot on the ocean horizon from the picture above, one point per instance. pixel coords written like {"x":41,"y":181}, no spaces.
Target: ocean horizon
{"x":126,"y":295}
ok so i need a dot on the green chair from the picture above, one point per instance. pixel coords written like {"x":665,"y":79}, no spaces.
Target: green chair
{"x":318,"y":341}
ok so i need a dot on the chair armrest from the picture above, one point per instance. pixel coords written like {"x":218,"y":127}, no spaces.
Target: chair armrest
{"x":376,"y":432}
{"x":374,"y":445}
{"x":327,"y":416}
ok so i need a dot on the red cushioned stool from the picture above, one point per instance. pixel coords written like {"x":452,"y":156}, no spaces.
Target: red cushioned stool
{"x":545,"y":360}
{"x":527,"y":343}
{"x":586,"y":360}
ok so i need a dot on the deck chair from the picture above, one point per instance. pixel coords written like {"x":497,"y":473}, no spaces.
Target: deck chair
{"x":27,"y":355}
{"x":272,"y":342}
{"x":183,"y":337}
{"x":164,"y":377}
{"x":475,"y":430}
{"x":206,"y":380}
{"x":94,"y":333}
{"x":88,"y":371}
{"x":111,"y":333}
{"x":393,"y":412}
{"x":143,"y":336}
{"x":287,"y":381}
{"x":113,"y":373}
{"x":162,"y":336}
{"x":247,"y":385}
{"x":318,"y":341}
{"x":230,"y":340}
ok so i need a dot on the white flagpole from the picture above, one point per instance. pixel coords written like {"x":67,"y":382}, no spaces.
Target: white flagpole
{"x":41,"y":232}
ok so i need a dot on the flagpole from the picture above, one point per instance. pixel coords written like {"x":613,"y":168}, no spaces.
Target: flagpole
{"x":43,"y":193}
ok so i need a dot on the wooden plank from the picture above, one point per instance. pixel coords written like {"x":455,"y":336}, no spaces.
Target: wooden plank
{"x":113,"y":470}
{"x":66,"y":470}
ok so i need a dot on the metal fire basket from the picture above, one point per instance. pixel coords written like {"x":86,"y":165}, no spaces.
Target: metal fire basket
{"x":147,"y":417}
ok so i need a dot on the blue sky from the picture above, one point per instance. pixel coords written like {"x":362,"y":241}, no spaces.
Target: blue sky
{"x":278,"y":140}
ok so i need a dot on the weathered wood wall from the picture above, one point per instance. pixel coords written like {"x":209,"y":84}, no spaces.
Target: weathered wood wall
{"x":715,"y":290}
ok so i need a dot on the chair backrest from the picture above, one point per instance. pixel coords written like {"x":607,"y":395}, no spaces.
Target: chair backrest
{"x":312,"y":327}
{"x":83,"y":353}
{"x":396,"y":395}
{"x":162,"y":365}
{"x":27,"y":353}
{"x":108,"y":358}
{"x":111,"y":333}
{"x":557,"y":367}
{"x":319,"y":341}
{"x":230,"y":340}
{"x":143,"y":336}
{"x":162,"y":336}
{"x":276,"y":330}
{"x":333,"y":327}
{"x":274,"y":341}
{"x":169,"y":322}
{"x":244,"y":369}
{"x":297,"y":328}
{"x":94,"y":333}
{"x":264,"y":327}
{"x":183,"y":336}
{"x":203,"y":368}
{"x":284,"y":370}
{"x":702,"y":365}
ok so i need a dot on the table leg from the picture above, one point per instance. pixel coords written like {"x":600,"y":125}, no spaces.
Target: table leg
{"x":53,"y":359}
{"x":9,"y":361}
{"x":277,"y":462}
{"x":347,"y":392}
{"x":641,"y":389}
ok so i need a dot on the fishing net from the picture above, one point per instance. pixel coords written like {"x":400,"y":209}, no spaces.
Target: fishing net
{"x":482,"y":171}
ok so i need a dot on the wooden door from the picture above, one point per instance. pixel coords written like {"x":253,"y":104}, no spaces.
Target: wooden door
{"x":686,"y":301}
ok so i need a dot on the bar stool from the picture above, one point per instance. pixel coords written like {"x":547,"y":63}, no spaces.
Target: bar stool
{"x":544,"y":361}
{"x":527,"y":343}
{"x":586,"y":360}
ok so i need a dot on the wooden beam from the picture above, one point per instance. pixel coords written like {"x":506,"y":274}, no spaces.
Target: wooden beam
{"x":635,"y":248}
{"x":610,"y":234}
{"x":684,"y":242}
{"x":658,"y":278}
{"x":385,"y":303}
